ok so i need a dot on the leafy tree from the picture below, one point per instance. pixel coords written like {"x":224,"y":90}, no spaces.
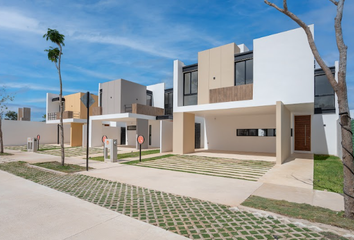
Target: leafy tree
{"x":11,"y":115}
{"x":340,"y":88}
{"x":4,"y":98}
{"x":44,"y":117}
{"x":54,"y":55}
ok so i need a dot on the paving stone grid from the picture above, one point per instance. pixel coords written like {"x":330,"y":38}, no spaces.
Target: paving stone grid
{"x":186,"y":216}
{"x":69,"y":151}
{"x":250,"y":170}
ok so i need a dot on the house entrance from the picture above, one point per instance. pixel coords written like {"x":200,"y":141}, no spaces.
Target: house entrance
{"x":303,"y":133}
{"x":122,"y":136}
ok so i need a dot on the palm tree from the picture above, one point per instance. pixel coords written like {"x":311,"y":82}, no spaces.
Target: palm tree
{"x":54,"y":55}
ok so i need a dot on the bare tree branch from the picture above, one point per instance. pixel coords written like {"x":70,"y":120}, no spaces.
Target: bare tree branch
{"x":334,"y":2}
{"x":311,"y":41}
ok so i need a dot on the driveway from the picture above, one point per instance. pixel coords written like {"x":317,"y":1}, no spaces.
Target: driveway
{"x":32,"y":211}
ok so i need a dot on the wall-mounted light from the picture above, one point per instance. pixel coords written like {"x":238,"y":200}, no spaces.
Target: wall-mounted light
{"x":214,"y":78}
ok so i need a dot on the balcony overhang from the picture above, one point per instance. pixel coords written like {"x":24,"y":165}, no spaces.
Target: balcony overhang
{"x":56,"y":99}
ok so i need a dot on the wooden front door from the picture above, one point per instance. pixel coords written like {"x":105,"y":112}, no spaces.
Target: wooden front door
{"x":303,"y":133}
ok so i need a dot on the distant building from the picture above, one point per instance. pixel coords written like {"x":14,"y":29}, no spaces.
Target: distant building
{"x":24,"y":114}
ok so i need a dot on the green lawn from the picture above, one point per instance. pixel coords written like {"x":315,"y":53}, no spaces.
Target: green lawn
{"x":129,"y":155}
{"x":5,"y":154}
{"x":67,"y":168}
{"x":301,"y":211}
{"x":328,"y":173}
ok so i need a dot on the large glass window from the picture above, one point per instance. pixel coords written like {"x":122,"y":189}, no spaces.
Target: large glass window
{"x":168,"y":102}
{"x":324,"y":95}
{"x":244,"y":72}
{"x":190,"y":88}
{"x":149,"y":98}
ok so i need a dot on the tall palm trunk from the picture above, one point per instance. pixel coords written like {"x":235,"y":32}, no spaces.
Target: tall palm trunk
{"x":61,"y":110}
{"x":1,"y":140}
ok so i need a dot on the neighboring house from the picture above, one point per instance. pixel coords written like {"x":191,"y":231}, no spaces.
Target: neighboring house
{"x":269,"y":100}
{"x":127,"y":109}
{"x":24,"y":114}
{"x":75,"y":114}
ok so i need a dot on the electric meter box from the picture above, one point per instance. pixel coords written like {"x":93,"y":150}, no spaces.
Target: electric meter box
{"x":32,"y":144}
{"x":110,"y":150}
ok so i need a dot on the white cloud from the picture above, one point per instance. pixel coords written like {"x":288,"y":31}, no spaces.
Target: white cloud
{"x":15,"y":21}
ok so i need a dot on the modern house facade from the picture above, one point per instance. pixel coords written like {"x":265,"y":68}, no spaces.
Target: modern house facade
{"x":127,"y":109}
{"x":75,"y":114}
{"x":268,"y":100}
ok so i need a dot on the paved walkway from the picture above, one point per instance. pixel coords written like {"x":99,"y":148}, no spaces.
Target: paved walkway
{"x":186,"y":216}
{"x":291,"y":181}
{"x":32,"y":211}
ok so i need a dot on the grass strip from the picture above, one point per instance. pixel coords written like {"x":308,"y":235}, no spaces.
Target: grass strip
{"x":328,"y":173}
{"x":5,"y":154}
{"x":148,"y":159}
{"x":128,"y":155}
{"x":301,"y":211}
{"x":67,"y":168}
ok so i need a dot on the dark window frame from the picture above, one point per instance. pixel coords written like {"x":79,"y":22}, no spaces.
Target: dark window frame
{"x":320,"y":72}
{"x":245,"y":132}
{"x":150,"y":129}
{"x":245,"y":60}
{"x":150,"y":94}
{"x":190,"y":86}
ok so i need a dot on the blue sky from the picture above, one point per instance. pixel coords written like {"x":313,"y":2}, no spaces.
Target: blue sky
{"x":138,"y":40}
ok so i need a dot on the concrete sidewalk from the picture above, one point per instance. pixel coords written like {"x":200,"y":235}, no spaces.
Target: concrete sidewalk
{"x":291,"y":181}
{"x":32,"y":211}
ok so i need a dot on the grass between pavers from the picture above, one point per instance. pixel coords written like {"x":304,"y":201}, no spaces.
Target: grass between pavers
{"x":192,"y":218}
{"x":129,"y":155}
{"x":328,"y":173}
{"x":301,"y":211}
{"x":67,"y":168}
{"x":148,"y":159}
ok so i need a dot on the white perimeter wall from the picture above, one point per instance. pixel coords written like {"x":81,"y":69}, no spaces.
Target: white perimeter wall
{"x":158,"y":94}
{"x":221,"y":133}
{"x":16,"y":132}
{"x":325,"y":134}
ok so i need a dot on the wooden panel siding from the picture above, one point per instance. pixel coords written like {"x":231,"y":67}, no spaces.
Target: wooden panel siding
{"x":147,"y":110}
{"x":230,"y":94}
{"x":96,"y":111}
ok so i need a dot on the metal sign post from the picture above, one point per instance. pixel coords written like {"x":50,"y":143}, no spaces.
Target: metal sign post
{"x":141,"y":140}
{"x":38,"y":138}
{"x":87,"y":100}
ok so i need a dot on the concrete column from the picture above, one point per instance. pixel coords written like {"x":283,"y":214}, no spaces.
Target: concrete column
{"x":166,"y":136}
{"x":142,"y":128}
{"x":76,"y":134}
{"x":283,"y":131}
{"x":183,"y":133}
{"x":95,"y":134}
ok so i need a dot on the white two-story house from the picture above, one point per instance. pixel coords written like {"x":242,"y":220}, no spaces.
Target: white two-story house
{"x":268,"y":100}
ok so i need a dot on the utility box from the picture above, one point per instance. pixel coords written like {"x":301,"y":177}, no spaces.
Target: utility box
{"x":110,"y":150}
{"x":32,"y":144}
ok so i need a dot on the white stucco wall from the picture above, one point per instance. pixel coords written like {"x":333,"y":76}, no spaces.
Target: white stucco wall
{"x":16,"y":132}
{"x":324,"y":134}
{"x":166,"y":133}
{"x":283,"y":67}
{"x":158,"y":92}
{"x":51,"y":107}
{"x":221,"y":133}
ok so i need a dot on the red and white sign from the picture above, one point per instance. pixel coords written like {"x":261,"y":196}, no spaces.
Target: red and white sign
{"x":141,"y":139}
{"x":38,"y":137}
{"x":104,"y":137}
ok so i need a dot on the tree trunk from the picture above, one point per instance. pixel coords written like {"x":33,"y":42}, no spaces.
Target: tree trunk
{"x":1,"y":140}
{"x":347,"y":151}
{"x":61,"y":110}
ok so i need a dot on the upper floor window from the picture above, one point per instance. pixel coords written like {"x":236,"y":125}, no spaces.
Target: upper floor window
{"x":169,"y":101}
{"x":324,"y":93}
{"x":244,"y":68}
{"x":148,"y":98}
{"x":190,"y":88}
